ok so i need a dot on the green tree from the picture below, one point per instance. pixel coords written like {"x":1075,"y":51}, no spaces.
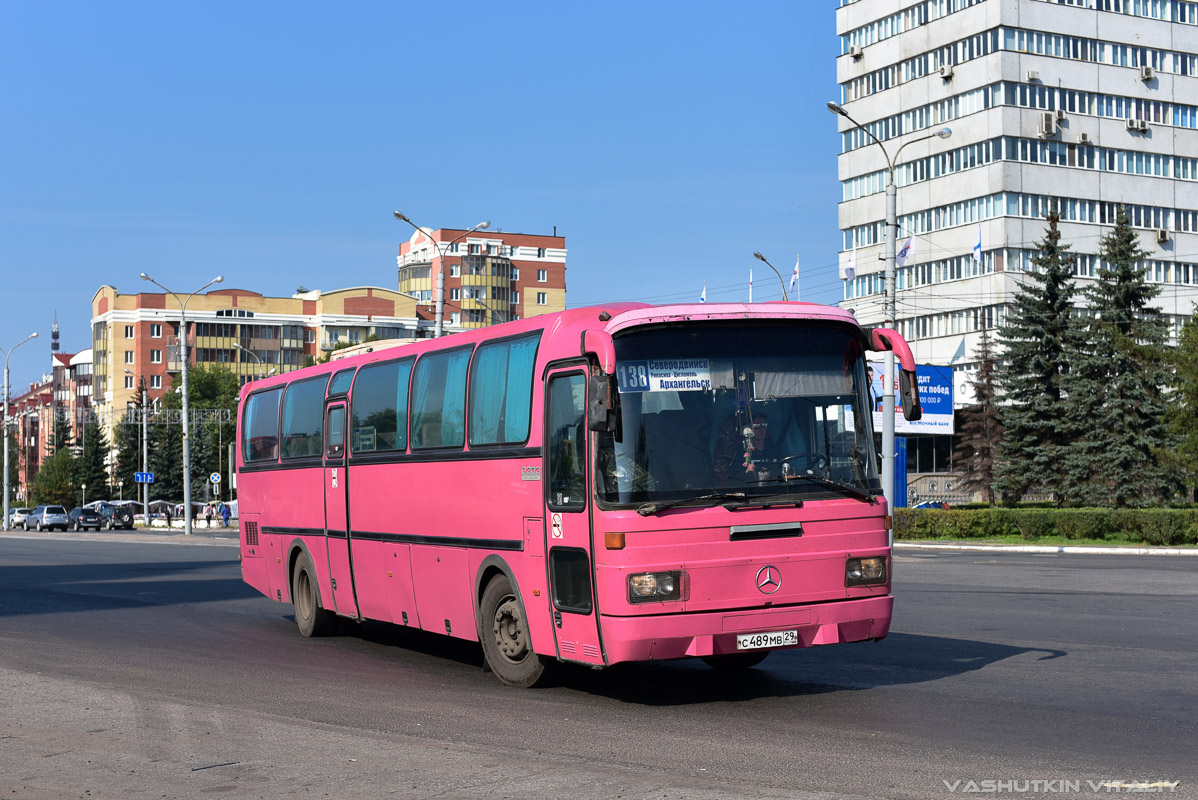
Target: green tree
{"x":166,"y":453}
{"x":89,"y":467}
{"x":1040,"y":338}
{"x":1181,"y":415}
{"x":979,"y":428}
{"x":1119,"y":382}
{"x":55,"y":481}
{"x":128,"y":440}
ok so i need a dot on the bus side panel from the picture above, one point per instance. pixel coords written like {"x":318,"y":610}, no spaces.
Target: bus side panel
{"x":441,"y":575}
{"x":378,"y":505}
{"x":293,"y":507}
{"x":374,"y":570}
{"x":534,"y":588}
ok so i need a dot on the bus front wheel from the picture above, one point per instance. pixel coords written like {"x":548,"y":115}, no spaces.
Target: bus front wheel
{"x":305,"y":599}
{"x":506,"y":643}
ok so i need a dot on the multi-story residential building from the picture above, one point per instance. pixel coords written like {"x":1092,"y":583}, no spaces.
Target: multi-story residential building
{"x":63,"y":394}
{"x":138,"y":335}
{"x":31,"y":441}
{"x":1084,"y":105}
{"x":490,"y":277}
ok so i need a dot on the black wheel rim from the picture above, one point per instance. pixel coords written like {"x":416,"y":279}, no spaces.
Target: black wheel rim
{"x":508,"y":627}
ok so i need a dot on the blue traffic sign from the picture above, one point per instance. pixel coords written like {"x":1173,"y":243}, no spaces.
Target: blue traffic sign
{"x":143,"y":477}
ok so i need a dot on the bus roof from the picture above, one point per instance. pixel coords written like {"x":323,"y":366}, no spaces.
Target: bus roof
{"x":566,"y":327}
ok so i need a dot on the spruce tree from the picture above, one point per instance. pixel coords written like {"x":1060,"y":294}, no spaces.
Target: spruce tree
{"x":1039,"y":339}
{"x":1181,"y":414}
{"x":128,"y":441}
{"x":89,"y":467}
{"x":1120,"y":377}
{"x":979,"y":428}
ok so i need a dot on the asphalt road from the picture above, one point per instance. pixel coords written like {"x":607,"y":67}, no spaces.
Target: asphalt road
{"x":147,"y":669}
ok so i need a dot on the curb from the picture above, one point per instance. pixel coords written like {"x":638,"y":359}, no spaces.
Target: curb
{"x":1045,"y":548}
{"x":144,"y":537}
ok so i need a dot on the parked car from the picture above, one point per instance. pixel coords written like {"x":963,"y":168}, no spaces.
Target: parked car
{"x":16,"y":517}
{"x":83,"y":518}
{"x":113,"y":517}
{"x":45,"y":518}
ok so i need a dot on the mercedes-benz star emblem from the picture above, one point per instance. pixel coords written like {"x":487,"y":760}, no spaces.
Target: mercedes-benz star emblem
{"x":769,"y":579}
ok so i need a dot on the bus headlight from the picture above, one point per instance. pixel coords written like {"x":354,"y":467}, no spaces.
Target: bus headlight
{"x":865,"y":571}
{"x":655,"y":587}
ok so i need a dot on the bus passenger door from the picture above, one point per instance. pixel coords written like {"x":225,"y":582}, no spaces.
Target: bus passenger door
{"x":568,"y":544}
{"x":336,"y":511}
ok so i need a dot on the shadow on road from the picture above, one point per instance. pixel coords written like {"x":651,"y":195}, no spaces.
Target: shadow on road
{"x":900,"y":659}
{"x":64,"y":588}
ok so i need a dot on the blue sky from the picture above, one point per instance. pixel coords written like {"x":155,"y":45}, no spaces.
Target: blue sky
{"x":269,"y":142}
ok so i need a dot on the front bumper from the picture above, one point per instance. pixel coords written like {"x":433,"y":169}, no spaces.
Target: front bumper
{"x":668,"y":636}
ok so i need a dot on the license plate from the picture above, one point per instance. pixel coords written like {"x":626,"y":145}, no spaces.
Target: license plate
{"x":756,"y":641}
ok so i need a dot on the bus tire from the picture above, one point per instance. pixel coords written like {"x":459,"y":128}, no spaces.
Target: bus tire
{"x":505,"y":638}
{"x":735,"y":662}
{"x":305,"y":599}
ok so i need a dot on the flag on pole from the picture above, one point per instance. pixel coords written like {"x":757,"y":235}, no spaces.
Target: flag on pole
{"x":850,"y":270}
{"x":977,"y":248}
{"x":794,"y":277}
{"x":750,"y":284}
{"x":703,"y":297}
{"x":905,"y":252}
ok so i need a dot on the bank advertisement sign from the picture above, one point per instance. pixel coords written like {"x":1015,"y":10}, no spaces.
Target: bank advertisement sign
{"x":935,"y":395}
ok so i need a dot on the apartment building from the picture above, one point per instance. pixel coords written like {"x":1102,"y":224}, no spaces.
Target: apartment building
{"x":138,"y":335}
{"x":490,"y":277}
{"x":1082,"y":105}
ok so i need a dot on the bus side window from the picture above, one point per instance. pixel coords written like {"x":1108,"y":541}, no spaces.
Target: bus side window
{"x":260,"y":427}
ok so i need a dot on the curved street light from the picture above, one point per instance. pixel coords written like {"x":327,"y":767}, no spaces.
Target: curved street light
{"x":439,"y":290}
{"x":186,"y":426}
{"x":889,"y":306}
{"x":761,"y":258}
{"x":6,"y":418}
{"x":261,"y":368}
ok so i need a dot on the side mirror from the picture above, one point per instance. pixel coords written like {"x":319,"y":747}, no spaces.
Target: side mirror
{"x":601,"y":403}
{"x":909,"y":392}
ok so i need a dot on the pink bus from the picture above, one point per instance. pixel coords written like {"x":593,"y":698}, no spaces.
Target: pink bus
{"x":600,"y":485}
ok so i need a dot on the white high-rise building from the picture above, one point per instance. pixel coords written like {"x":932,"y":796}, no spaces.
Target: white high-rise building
{"x":1085,"y":104}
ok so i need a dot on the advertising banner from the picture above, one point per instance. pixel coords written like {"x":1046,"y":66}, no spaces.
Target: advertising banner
{"x":935,"y":395}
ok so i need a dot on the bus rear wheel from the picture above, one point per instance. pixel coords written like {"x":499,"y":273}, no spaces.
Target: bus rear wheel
{"x":506,"y":643}
{"x":735,"y":662}
{"x":305,"y":599}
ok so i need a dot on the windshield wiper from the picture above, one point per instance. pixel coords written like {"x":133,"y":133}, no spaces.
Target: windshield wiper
{"x":652,"y":508}
{"x":844,"y":487}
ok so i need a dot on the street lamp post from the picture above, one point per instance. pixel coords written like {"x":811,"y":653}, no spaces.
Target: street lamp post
{"x":6,"y":432}
{"x":83,"y":486}
{"x":439,"y":286}
{"x":252,"y":354}
{"x":186,"y":425}
{"x":761,"y":258}
{"x":889,"y":307}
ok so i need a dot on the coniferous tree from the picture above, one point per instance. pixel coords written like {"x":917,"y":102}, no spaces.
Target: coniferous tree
{"x":166,"y":455}
{"x":1119,"y":381}
{"x":89,"y":467}
{"x":1040,"y":338}
{"x":1181,"y":415}
{"x":128,"y":441}
{"x":979,"y":428}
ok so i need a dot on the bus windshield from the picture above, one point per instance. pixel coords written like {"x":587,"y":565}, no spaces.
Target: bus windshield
{"x":768,"y":412}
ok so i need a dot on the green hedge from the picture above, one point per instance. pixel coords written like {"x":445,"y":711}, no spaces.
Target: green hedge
{"x":1158,"y":526}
